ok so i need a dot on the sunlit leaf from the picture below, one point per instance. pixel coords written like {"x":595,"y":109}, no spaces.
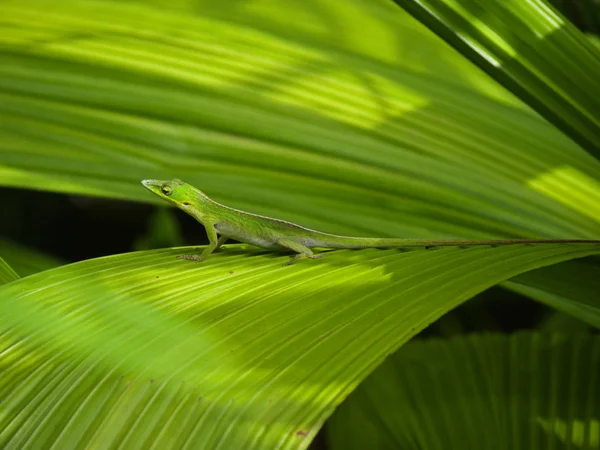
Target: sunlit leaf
{"x":396,"y":135}
{"x":523,"y":46}
{"x":241,"y":351}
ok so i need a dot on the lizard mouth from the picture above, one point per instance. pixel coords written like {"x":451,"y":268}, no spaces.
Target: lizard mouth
{"x":149,"y":183}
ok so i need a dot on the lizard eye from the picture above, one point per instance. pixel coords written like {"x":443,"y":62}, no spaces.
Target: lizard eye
{"x":166,"y":190}
{"x":185,"y":203}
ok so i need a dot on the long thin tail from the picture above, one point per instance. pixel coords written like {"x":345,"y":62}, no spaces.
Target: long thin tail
{"x":356,"y":242}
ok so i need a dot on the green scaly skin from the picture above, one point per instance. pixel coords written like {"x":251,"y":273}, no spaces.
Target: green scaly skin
{"x":222,"y":223}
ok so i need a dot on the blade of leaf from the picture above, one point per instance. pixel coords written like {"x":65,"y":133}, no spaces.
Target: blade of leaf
{"x":583,"y":14}
{"x":571,"y":288}
{"x":559,"y":322}
{"x":527,"y":390}
{"x":524,"y":46}
{"x":238,"y":352}
{"x":397,"y":136}
{"x":7,"y":273}
{"x":26,"y":260}
{"x":98,"y":95}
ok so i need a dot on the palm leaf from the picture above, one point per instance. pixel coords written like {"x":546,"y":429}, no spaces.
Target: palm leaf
{"x":528,"y":390}
{"x":397,"y":136}
{"x":522,"y":45}
{"x":563,"y":323}
{"x":408,"y":148}
{"x":7,"y":273}
{"x":25,"y":260}
{"x":584,"y":14}
{"x":143,"y":349}
{"x":298,"y":119}
{"x":572,"y":288}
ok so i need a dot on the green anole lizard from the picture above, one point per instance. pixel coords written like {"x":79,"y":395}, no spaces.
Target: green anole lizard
{"x":222,"y":223}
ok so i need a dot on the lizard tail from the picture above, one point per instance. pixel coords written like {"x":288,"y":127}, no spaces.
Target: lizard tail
{"x":359,"y":242}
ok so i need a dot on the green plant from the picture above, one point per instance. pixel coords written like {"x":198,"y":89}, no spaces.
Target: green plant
{"x":286,"y":109}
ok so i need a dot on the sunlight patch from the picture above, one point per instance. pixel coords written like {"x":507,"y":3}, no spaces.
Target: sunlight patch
{"x":572,"y":188}
{"x":551,"y":17}
{"x":359,"y":99}
{"x":582,"y":433}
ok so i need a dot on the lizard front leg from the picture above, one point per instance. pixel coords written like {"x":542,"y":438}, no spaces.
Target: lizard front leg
{"x":221,"y":241}
{"x":213,"y":244}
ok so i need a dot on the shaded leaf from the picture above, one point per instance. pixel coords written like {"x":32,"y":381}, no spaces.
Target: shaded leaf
{"x":26,"y":260}
{"x":584,"y":14}
{"x":7,"y":273}
{"x":528,"y":390}
{"x":572,"y":288}
{"x":563,"y":323}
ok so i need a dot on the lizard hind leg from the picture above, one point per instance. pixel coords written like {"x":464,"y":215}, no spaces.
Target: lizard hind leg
{"x":221,"y":241}
{"x":301,"y":250}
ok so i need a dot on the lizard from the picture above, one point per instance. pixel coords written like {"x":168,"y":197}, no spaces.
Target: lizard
{"x":223,"y":222}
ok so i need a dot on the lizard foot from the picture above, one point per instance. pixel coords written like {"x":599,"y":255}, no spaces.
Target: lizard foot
{"x":194,"y":258}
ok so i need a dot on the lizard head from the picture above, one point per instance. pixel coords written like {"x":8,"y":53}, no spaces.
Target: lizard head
{"x":177,"y":192}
